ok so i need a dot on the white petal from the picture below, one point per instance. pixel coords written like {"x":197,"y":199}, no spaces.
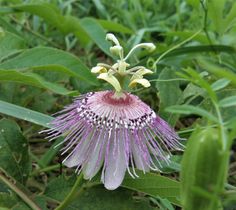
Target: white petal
{"x":116,"y":166}
{"x":93,"y":166}
{"x":140,"y":163}
{"x":78,"y":154}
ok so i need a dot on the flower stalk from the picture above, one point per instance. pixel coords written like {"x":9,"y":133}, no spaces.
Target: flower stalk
{"x":71,"y":194}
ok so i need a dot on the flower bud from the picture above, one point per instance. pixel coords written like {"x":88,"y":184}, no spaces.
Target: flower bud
{"x":149,"y":46}
{"x":111,"y":37}
{"x":204,"y":168}
{"x":116,"y":50}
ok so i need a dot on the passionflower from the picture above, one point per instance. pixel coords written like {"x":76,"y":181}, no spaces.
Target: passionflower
{"x":114,"y":130}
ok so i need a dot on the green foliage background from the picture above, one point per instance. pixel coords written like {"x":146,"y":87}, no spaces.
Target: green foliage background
{"x":47,"y":49}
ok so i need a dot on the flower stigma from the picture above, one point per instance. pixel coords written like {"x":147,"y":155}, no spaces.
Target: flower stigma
{"x":116,"y":74}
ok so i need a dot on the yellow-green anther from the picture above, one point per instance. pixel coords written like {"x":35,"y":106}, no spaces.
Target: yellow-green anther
{"x":144,"y":82}
{"x":139,"y":74}
{"x":143,"y":71}
{"x":111,"y":80}
{"x":149,"y":46}
{"x":98,"y":69}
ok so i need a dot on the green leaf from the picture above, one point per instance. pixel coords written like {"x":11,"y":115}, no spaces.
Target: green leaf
{"x":219,"y":71}
{"x":31,"y":79}
{"x":100,"y":9}
{"x":215,"y":11}
{"x":10,"y":44}
{"x":96,"y":33}
{"x":7,"y":199}
{"x":189,"y":109}
{"x":228,"y":113}
{"x":96,"y":197}
{"x":52,"y":15}
{"x":114,"y":27}
{"x":169,"y":94}
{"x":194,"y":3}
{"x":192,"y":91}
{"x":24,"y":114}
{"x":229,"y":101}
{"x":154,"y":185}
{"x":220,"y":84}
{"x":8,"y":26}
{"x":36,"y":118}
{"x":14,"y":157}
{"x":222,"y":22}
{"x":45,"y":56}
{"x":101,"y":199}
{"x":83,"y":29}
{"x":198,"y":79}
{"x":229,"y":20}
{"x":187,"y":51}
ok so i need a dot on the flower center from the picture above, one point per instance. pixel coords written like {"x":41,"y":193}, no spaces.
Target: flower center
{"x":116,"y":74}
{"x":124,"y":100}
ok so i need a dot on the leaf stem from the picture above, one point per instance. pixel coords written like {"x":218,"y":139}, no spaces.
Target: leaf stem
{"x":20,"y":193}
{"x":71,"y":194}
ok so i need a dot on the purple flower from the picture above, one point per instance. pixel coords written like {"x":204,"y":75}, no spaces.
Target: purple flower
{"x":112,"y":133}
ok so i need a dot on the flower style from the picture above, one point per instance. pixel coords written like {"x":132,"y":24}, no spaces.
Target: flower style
{"x":114,"y":130}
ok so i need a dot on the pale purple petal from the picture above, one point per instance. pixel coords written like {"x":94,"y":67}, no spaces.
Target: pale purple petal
{"x":113,"y":134}
{"x":115,"y":168}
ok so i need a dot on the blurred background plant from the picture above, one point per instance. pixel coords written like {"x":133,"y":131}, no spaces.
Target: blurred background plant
{"x":47,"y":49}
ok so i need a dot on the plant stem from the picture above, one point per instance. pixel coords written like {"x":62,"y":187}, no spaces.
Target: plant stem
{"x":21,"y":194}
{"x":174,"y":47}
{"x":71,"y":194}
{"x":205,"y":9}
{"x":46,"y":169}
{"x":222,"y":129}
